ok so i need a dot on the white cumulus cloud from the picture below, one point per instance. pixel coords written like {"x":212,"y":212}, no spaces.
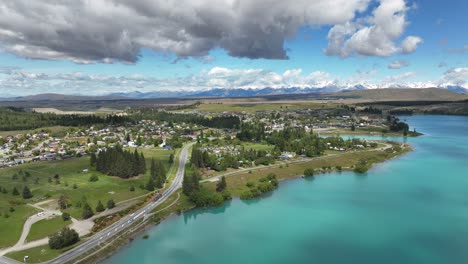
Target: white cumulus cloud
{"x":375,"y":35}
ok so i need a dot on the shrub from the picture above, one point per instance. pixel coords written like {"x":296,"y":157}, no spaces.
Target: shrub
{"x":110,"y":204}
{"x":99,"y":207}
{"x":66,"y":216}
{"x":93,"y":178}
{"x":309,"y":172}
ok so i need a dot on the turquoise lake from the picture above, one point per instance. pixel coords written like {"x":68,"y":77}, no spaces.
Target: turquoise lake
{"x":412,"y":209}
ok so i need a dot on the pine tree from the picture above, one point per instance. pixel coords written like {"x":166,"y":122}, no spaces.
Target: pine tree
{"x":187,"y":186}
{"x":27,"y":193}
{"x":195,"y":179}
{"x":15,"y":191}
{"x":87,"y":211}
{"x":153,"y":169}
{"x":93,"y":159}
{"x":221,"y":186}
{"x":150,"y":185}
{"x":142,"y":168}
{"x":63,"y":202}
{"x":99,"y":207}
{"x":136,"y":163}
{"x":110,"y":204}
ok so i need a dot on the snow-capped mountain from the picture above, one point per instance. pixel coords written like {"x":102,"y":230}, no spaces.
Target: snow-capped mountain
{"x":249,"y":92}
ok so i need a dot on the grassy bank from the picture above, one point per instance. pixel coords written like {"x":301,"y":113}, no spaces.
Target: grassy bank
{"x":237,"y":182}
{"x":369,"y":131}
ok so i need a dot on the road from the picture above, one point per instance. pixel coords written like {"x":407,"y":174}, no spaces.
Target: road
{"x":112,"y":231}
{"x":5,"y":260}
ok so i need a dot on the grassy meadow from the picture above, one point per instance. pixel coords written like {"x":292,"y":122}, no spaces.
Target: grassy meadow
{"x":70,"y":173}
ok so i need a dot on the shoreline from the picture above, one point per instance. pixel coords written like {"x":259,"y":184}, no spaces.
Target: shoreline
{"x":138,"y":234}
{"x":166,"y":212}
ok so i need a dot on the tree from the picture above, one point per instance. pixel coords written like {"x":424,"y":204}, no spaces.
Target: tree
{"x":361,"y":167}
{"x":150,"y":185}
{"x":171,"y":158}
{"x":139,"y":141}
{"x":66,"y":216}
{"x":75,"y":186}
{"x":353,"y":127}
{"x":110,"y":204}
{"x":93,"y":159}
{"x":27,"y":193}
{"x":100,"y":207}
{"x":117,"y":162}
{"x":309,"y":172}
{"x":63,"y":238}
{"x":153,"y":169}
{"x":187,"y":186}
{"x":63,"y":202}
{"x":93,"y":178}
{"x":131,"y":188}
{"x":87,"y":211}
{"x":221,"y":186}
{"x":15,"y":191}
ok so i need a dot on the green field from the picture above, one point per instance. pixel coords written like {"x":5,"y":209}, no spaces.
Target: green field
{"x":258,"y":146}
{"x":46,"y":227}
{"x":37,"y":254}
{"x":70,"y":172}
{"x":11,"y":227}
{"x":251,"y":107}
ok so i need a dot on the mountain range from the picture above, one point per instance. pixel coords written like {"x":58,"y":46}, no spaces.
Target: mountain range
{"x":215,"y":93}
{"x":246,"y":92}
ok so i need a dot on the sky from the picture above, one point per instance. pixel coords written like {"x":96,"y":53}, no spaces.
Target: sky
{"x":99,"y":47}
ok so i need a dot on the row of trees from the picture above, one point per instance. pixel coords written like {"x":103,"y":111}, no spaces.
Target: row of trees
{"x":297,"y":140}
{"x":157,"y":175}
{"x":19,"y":119}
{"x":251,"y":132}
{"x":216,"y":122}
{"x":26,"y":193}
{"x":117,"y":162}
{"x":394,"y":124}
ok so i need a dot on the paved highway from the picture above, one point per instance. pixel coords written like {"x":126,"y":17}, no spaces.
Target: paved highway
{"x":112,"y":231}
{"x":5,"y":260}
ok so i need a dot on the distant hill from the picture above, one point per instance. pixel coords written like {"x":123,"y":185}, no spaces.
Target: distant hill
{"x":357,"y":91}
{"x":61,"y":97}
{"x":394,"y":94}
{"x":234,"y":92}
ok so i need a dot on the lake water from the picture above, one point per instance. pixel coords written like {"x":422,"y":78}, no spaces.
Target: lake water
{"x":412,"y":209}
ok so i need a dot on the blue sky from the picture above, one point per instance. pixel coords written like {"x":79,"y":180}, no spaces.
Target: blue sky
{"x":437,"y":57}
